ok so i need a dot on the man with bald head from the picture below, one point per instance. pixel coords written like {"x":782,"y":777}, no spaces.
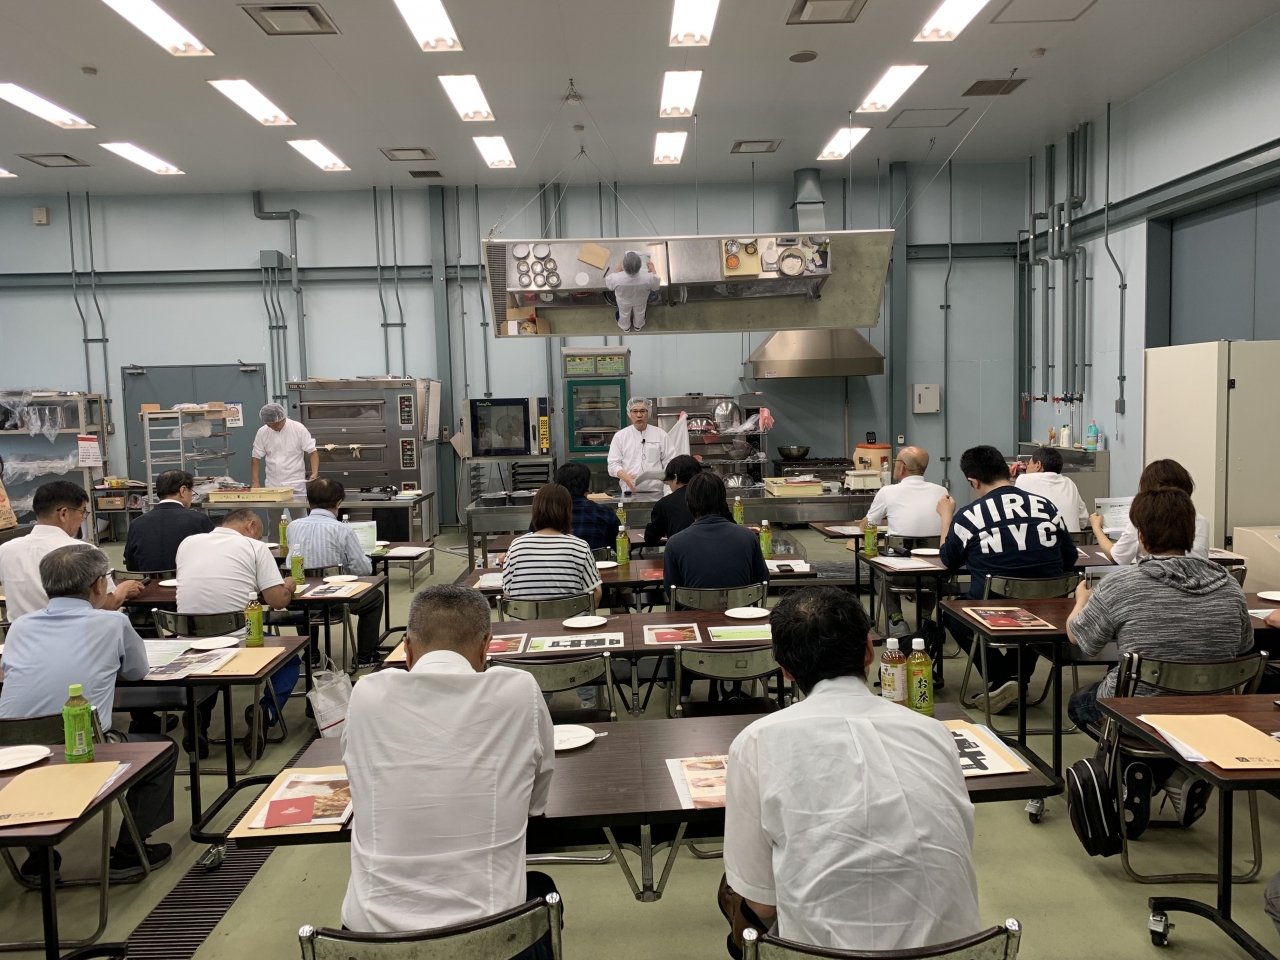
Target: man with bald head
{"x":908,"y":508}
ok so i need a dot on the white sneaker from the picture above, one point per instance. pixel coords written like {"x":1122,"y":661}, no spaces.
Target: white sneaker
{"x":589,"y":704}
{"x":1000,"y":698}
{"x":900,"y":629}
{"x":637,"y":326}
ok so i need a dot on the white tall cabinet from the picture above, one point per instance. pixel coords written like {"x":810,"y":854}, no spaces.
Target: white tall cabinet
{"x":1215,"y":408}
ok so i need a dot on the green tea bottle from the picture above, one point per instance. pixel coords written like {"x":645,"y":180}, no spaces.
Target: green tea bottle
{"x":871,"y":541}
{"x":295,"y":564}
{"x":893,"y":673}
{"x":284,"y":536}
{"x":253,"y":620}
{"x":766,"y":540}
{"x":77,"y":726}
{"x":623,"y":545}
{"x":919,"y":679}
{"x":738,"y":511}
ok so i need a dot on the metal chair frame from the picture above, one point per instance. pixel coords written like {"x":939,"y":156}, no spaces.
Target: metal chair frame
{"x":1238,"y":573}
{"x":994,"y":943}
{"x":1239,"y":675}
{"x":886,"y":580}
{"x":548,"y":609}
{"x":498,"y":937}
{"x":318,"y":616}
{"x":695,"y":598}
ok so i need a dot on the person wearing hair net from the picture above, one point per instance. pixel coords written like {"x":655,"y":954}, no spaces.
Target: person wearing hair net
{"x":636,"y":450}
{"x":282,"y":443}
{"x":632,"y":288}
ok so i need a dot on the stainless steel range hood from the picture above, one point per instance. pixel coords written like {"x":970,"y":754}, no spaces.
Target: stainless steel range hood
{"x":814,"y":353}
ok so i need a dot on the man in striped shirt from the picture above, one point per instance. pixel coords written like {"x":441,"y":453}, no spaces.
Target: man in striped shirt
{"x":327,"y":542}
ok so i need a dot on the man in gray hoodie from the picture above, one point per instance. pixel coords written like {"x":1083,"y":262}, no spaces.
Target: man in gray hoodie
{"x":1170,"y":606}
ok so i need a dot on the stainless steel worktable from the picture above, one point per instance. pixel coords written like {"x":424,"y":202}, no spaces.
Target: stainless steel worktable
{"x":423,"y":505}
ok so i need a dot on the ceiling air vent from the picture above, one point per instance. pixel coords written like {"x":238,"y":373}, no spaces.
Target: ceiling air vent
{"x":407,"y":153}
{"x":1042,"y":11}
{"x":290,"y":19}
{"x":825,"y":11}
{"x":424,"y":174}
{"x":941,"y":117}
{"x":994,"y":88}
{"x":54,"y":159}
{"x":755,"y":146}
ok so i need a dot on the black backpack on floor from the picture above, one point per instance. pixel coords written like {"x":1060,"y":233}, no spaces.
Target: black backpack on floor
{"x":1093,"y":807}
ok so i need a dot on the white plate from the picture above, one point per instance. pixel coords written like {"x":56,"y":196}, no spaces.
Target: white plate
{"x":214,"y":643}
{"x":925,"y":552}
{"x":1272,"y":595}
{"x":747,"y":613}
{"x":606,"y":564}
{"x":341,"y":578}
{"x":571,"y":736}
{"x":381,"y":543}
{"x":11,"y":758}
{"x":578,"y":623}
{"x":168,"y":583}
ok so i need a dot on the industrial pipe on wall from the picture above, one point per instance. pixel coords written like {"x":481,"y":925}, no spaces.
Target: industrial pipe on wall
{"x":1106,"y":242}
{"x":395,"y":273}
{"x":1046,"y":339}
{"x":946,"y":341}
{"x":292,"y":216}
{"x":382,"y":300}
{"x":75,"y":298}
{"x":102,"y":322}
{"x":482,"y":270}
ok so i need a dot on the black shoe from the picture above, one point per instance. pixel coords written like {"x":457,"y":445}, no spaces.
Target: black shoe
{"x":1136,"y":804}
{"x":203,"y":745}
{"x":30,"y":869}
{"x":127,"y":865}
{"x":1189,"y":795}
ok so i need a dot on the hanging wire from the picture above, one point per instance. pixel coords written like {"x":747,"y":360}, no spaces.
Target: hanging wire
{"x":537,"y":150}
{"x":652,"y":229}
{"x":582,"y":152}
{"x":696,"y":223}
{"x":538,"y":194}
{"x":617,"y":166}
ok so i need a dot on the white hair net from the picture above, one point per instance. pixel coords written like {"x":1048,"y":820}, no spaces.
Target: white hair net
{"x":639,"y":402}
{"x":631,"y":262}
{"x":272,"y":412}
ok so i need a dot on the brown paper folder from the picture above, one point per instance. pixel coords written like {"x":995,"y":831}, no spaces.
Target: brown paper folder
{"x":58,"y":792}
{"x":242,"y":828}
{"x":248,"y":661}
{"x":397,"y":655}
{"x":1225,"y":741}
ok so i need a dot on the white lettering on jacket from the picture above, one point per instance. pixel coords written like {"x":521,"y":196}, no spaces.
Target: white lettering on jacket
{"x":1012,"y":506}
{"x":974,"y":516}
{"x":991,"y":541}
{"x":1037,"y":508}
{"x":1048,"y":534}
{"x":991,"y":509}
{"x":963,"y":532}
{"x":1019,"y":532}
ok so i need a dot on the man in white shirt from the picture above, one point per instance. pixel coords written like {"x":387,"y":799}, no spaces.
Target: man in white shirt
{"x":447,"y":762}
{"x":638,"y":449}
{"x":632,"y":288}
{"x":876,"y":852}
{"x":910,"y":509}
{"x":282,"y":443}
{"x":1044,"y":478}
{"x":60,"y":508}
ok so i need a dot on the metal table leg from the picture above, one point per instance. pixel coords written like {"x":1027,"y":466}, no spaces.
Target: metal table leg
{"x":645,"y":891}
{"x":1056,"y":676}
{"x":48,"y":904}
{"x":193,"y":755}
{"x":226,"y":722}
{"x":1022,"y":697}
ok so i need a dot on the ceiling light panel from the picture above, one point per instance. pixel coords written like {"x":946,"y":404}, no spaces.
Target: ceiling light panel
{"x":160,"y":27}
{"x":468,"y":99}
{"x":247,"y":97}
{"x":679,"y":93}
{"x":668,"y":147}
{"x":143,"y":159}
{"x":949,"y":19}
{"x":430,"y":25}
{"x":845,"y":140}
{"x":42,"y":108}
{"x":320,"y":155}
{"x":895,"y":82}
{"x":5,"y":173}
{"x":692,"y":22}
{"x":495,"y":152}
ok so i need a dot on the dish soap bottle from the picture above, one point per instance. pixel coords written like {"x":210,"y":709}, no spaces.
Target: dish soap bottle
{"x":77,"y":726}
{"x":253,"y":621}
{"x":623,"y":545}
{"x":1091,"y":436}
{"x":766,"y":540}
{"x":893,"y":670}
{"x":738,"y":511}
{"x":1064,"y":438}
{"x":920,"y":679}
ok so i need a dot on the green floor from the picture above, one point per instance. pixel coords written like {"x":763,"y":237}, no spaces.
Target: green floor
{"x":1069,"y":904}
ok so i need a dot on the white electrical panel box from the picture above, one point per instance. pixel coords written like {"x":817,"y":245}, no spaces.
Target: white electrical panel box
{"x":40,"y":216}
{"x":925,"y":398}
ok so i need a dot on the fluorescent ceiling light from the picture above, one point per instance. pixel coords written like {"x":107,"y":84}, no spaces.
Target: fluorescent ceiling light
{"x":668,"y":147}
{"x":679,"y":93}
{"x":247,"y":97}
{"x":846,"y":139}
{"x":320,"y":155}
{"x":160,"y":27}
{"x":495,"y":152}
{"x":42,"y":108}
{"x":692,"y":22}
{"x":141,"y":157}
{"x":5,"y":173}
{"x":468,"y":99}
{"x":949,"y":19}
{"x":430,"y":25}
{"x":892,"y":85}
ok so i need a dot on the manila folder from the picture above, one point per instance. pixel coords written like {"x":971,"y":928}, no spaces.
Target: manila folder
{"x":58,"y":792}
{"x":1223,"y":740}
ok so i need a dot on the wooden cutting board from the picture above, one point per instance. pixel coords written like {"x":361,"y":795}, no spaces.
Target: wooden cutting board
{"x":749,"y":265}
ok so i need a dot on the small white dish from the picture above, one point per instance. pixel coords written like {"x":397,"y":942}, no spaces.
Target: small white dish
{"x":1272,"y":595}
{"x":12,"y":758}
{"x":214,"y":643}
{"x":341,"y":578}
{"x":606,"y":564}
{"x":925,"y":552}
{"x":581,"y":622}
{"x":168,"y":583}
{"x":381,"y":543}
{"x":571,"y":736}
{"x":747,"y":613}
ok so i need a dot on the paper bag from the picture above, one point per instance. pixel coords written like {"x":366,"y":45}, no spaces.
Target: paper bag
{"x":8,"y":519}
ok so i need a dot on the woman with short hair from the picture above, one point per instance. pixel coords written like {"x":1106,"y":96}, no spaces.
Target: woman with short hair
{"x":1156,"y":474}
{"x":550,"y":562}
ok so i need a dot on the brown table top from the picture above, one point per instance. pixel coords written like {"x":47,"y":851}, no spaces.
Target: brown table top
{"x":1254,"y":602}
{"x":1087,"y":556}
{"x":638,"y":573}
{"x":142,"y":759}
{"x":1055,"y":611}
{"x":826,"y":531}
{"x":287,"y":645}
{"x":1259,"y":711}
{"x":153,"y":594}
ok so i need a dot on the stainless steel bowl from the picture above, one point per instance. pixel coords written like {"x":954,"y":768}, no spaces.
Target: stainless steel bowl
{"x":793,"y":453}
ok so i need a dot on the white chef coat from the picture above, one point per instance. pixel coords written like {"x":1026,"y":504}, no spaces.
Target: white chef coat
{"x":636,"y":453}
{"x":446,"y":766}
{"x":911,"y":507}
{"x":285,"y":452}
{"x":1126,"y":550}
{"x":20,"y":568}
{"x":1062,"y":492}
{"x":849,"y":814}
{"x":633,"y":292}
{"x":220,"y":572}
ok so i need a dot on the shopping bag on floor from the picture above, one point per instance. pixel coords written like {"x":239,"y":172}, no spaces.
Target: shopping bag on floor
{"x":329,"y":696}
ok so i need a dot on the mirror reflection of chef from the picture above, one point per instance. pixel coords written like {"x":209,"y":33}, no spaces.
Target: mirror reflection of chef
{"x":632,"y":289}
{"x":638,"y":449}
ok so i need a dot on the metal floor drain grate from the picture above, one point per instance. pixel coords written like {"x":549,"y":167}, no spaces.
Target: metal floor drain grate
{"x":183,"y":920}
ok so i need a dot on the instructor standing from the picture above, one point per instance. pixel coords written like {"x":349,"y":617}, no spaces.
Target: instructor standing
{"x":638,"y":449}
{"x":282,"y":443}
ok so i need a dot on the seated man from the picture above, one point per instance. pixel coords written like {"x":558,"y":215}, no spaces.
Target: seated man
{"x":713,"y":553}
{"x":908,"y":508}
{"x":60,"y":508}
{"x":1044,"y":477}
{"x":1170,"y":606}
{"x":1003,"y":532}
{"x":220,"y":572}
{"x":671,"y":514}
{"x":593,"y":522}
{"x":326,"y":541}
{"x":847,"y":822}
{"x":154,"y":537}
{"x":75,"y":640}
{"x":447,"y":762}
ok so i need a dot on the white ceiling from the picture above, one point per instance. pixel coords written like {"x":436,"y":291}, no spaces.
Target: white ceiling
{"x":372,"y":87}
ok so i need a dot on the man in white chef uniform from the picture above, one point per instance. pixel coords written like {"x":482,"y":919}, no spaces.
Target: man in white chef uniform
{"x":632,"y":288}
{"x":638,"y":449}
{"x":283,"y":443}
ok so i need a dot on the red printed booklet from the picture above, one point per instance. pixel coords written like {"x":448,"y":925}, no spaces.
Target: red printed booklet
{"x":1008,"y":618}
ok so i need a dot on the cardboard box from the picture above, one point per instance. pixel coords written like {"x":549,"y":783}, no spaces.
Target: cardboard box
{"x":110,"y":503}
{"x":256,"y":495}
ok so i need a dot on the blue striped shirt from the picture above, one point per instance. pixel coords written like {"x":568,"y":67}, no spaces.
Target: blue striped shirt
{"x":327,"y":542}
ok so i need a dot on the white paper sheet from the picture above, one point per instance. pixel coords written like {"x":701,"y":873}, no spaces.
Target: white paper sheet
{"x":1115,"y":514}
{"x":406,"y":553}
{"x":1259,"y":614}
{"x":797,"y":566}
{"x":904,"y":563}
{"x":161,"y":653}
{"x":844,"y":531}
{"x":490,"y":581}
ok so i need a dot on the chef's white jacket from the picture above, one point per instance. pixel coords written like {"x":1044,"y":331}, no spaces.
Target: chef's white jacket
{"x":446,"y":767}
{"x":1063,"y":493}
{"x":285,"y":452}
{"x":849,"y":813}
{"x":633,"y":292}
{"x":636,"y":453}
{"x":1127,"y":549}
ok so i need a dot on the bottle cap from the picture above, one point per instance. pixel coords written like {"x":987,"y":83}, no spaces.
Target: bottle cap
{"x":764,"y":523}
{"x":75,"y":690}
{"x":917,"y":643}
{"x":892,"y":644}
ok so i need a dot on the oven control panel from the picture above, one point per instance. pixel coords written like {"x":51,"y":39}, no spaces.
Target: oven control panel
{"x":404,"y":405}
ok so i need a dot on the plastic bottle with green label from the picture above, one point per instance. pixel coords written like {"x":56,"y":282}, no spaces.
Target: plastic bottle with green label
{"x":766,"y":540}
{"x":77,"y":726}
{"x":253,"y":621}
{"x":893,"y":672}
{"x":871,"y":540}
{"x":623,"y":546}
{"x":284,"y":535}
{"x":738,"y":511}
{"x":919,"y":679}
{"x":296,"y":564}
